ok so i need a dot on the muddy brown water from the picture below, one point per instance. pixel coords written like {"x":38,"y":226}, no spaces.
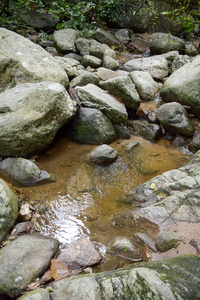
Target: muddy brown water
{"x":85,"y":198}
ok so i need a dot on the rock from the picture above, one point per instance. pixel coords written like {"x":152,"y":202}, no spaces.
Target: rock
{"x":92,"y":61}
{"x":91,"y":126}
{"x":25,"y":213}
{"x":146,"y":240}
{"x":164,"y":42}
{"x":74,"y":56}
{"x":81,"y":254}
{"x":40,"y":21}
{"x":31,"y":115}
{"x":23,"y":227}
{"x":23,"y":260}
{"x":139,"y":43}
{"x":65,"y":40}
{"x":93,"y":96}
{"x":183,"y":86}
{"x":105,"y":37}
{"x":194,"y":144}
{"x":8,"y":209}
{"x":122,"y":131}
{"x":24,"y":61}
{"x":71,"y":71}
{"x":123,"y":88}
{"x":167,"y":240}
{"x":125,"y":247}
{"x":145,"y":85}
{"x":103,"y":155}
{"x":83,"y":46}
{"x":156,"y":65}
{"x":85,"y":78}
{"x":150,"y":132}
{"x":105,"y":74}
{"x":100,"y":50}
{"x":123,"y":36}
{"x":174,"y":118}
{"x":23,"y":172}
{"x":181,"y":143}
{"x":38,"y":294}
{"x":170,"y":56}
{"x":180,"y":61}
{"x":110,"y":63}
{"x":155,"y":280}
{"x":190,"y":49}
{"x":130,"y":146}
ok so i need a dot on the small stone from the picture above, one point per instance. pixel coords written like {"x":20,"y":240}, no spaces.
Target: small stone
{"x":167,"y":240}
{"x":103,"y":155}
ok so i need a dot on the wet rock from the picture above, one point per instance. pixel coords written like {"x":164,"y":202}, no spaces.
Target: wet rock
{"x":110,"y":63}
{"x":190,"y":49}
{"x":105,"y":37}
{"x":71,"y":71}
{"x":83,"y":46}
{"x":38,"y":294}
{"x":93,"y":96}
{"x":23,"y":227}
{"x":24,"y":61}
{"x":150,"y":132}
{"x":81,"y":254}
{"x":181,"y":143}
{"x":146,"y":240}
{"x":163,"y":42}
{"x":92,"y":61}
{"x":162,"y":280}
{"x":32,"y":255}
{"x":100,"y":50}
{"x":65,"y":40}
{"x":174,"y":118}
{"x":21,"y":171}
{"x":194,"y":144}
{"x":39,"y":21}
{"x":129,"y":147}
{"x":180,"y":61}
{"x":105,"y":74}
{"x":125,"y":247}
{"x":103,"y":155}
{"x":122,"y":131}
{"x":123,"y":36}
{"x":85,"y":78}
{"x":183,"y":86}
{"x":156,"y":65}
{"x":167,"y":240}
{"x":31,"y":115}
{"x":91,"y":126}
{"x":25,"y":213}
{"x":8,"y":209}
{"x":123,"y":88}
{"x":145,"y":85}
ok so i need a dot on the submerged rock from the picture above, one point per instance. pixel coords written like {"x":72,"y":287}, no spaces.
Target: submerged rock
{"x":8,"y":209}
{"x":103,"y":155}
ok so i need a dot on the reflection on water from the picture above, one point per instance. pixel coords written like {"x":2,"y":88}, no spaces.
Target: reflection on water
{"x":86,"y":197}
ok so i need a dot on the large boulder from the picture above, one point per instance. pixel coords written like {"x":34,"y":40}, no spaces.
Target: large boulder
{"x":105,"y":37}
{"x":156,"y":65}
{"x":91,"y":126}
{"x":183,"y":86}
{"x":94,"y":97}
{"x":8,"y":209}
{"x":174,"y":118}
{"x":23,"y":61}
{"x":164,"y":42}
{"x":65,"y":40}
{"x":24,"y":260}
{"x":31,"y":115}
{"x":37,"y":294}
{"x":123,"y":88}
{"x":164,"y":280}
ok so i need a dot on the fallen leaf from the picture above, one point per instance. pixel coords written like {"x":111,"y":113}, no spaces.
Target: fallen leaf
{"x":59,"y":269}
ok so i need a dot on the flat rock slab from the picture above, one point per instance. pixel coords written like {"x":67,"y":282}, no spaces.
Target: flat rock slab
{"x":164,"y":280}
{"x":24,"y":61}
{"x":95,"y":97}
{"x":23,"y":260}
{"x":31,"y":115}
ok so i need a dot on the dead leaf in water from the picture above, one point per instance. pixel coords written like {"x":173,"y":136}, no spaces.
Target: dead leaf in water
{"x":59,"y":269}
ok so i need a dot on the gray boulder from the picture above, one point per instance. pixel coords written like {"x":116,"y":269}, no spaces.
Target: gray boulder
{"x":105,"y":74}
{"x":84,"y":78}
{"x":83,"y":46}
{"x":65,"y":40}
{"x":91,"y":126}
{"x":183,"y":86}
{"x":31,"y":115}
{"x":174,"y":118}
{"x":165,"y":280}
{"x":23,"y":172}
{"x":110,"y":63}
{"x":105,"y":37}
{"x":40,"y":21}
{"x":190,"y":49}
{"x":8,"y":209}
{"x":123,"y":35}
{"x":23,"y":260}
{"x":194,"y":144}
{"x":156,"y":65}
{"x":150,"y":132}
{"x":123,"y":88}
{"x":93,"y":96}
{"x":180,"y":61}
{"x":124,"y":246}
{"x":167,"y":240}
{"x":145,"y":85}
{"x":70,"y":70}
{"x":163,"y":42}
{"x":103,"y":155}
{"x":38,"y":294}
{"x":122,"y":131}
{"x":92,"y":61}
{"x":100,"y":50}
{"x":24,"y":61}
